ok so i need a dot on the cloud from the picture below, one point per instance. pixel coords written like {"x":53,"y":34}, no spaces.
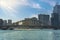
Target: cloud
{"x":50,"y":2}
{"x":34,"y":15}
{"x":36,"y":5}
{"x":10,"y":11}
{"x":22,"y":2}
{"x":29,"y":3}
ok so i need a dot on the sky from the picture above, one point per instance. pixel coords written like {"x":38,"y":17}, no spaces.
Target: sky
{"x":17,"y":10}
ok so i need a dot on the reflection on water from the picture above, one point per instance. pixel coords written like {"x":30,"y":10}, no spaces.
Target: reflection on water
{"x":29,"y":34}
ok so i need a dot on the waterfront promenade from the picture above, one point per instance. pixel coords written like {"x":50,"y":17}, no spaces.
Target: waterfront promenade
{"x":12,"y":27}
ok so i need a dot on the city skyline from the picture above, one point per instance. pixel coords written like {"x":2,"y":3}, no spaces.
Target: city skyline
{"x":20,"y":9}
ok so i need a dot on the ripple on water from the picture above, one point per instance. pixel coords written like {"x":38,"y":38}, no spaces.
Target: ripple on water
{"x":26,"y":34}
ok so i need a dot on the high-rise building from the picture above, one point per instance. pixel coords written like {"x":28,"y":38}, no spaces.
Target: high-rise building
{"x":9,"y":22}
{"x":1,"y":22}
{"x":44,"y":19}
{"x":56,"y":9}
{"x":55,"y":20}
{"x":4,"y":22}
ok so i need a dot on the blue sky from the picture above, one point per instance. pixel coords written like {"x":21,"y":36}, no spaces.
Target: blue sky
{"x":20,"y":9}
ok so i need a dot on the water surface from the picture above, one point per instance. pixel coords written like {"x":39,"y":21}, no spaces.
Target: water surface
{"x":34,"y":34}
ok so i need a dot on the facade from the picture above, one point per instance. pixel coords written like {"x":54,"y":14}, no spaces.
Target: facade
{"x":56,"y":9}
{"x":44,"y":19}
{"x":4,"y":22}
{"x":1,"y":22}
{"x":30,"y":22}
{"x":55,"y":21}
{"x":9,"y":22}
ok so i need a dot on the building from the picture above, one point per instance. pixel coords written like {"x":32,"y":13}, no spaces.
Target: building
{"x":55,"y":20}
{"x":56,"y":9}
{"x":9,"y":22}
{"x":1,"y":22}
{"x":44,"y":19}
{"x":30,"y":22}
{"x":4,"y":22}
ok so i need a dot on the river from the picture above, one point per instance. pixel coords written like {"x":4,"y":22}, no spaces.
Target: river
{"x":30,"y":34}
